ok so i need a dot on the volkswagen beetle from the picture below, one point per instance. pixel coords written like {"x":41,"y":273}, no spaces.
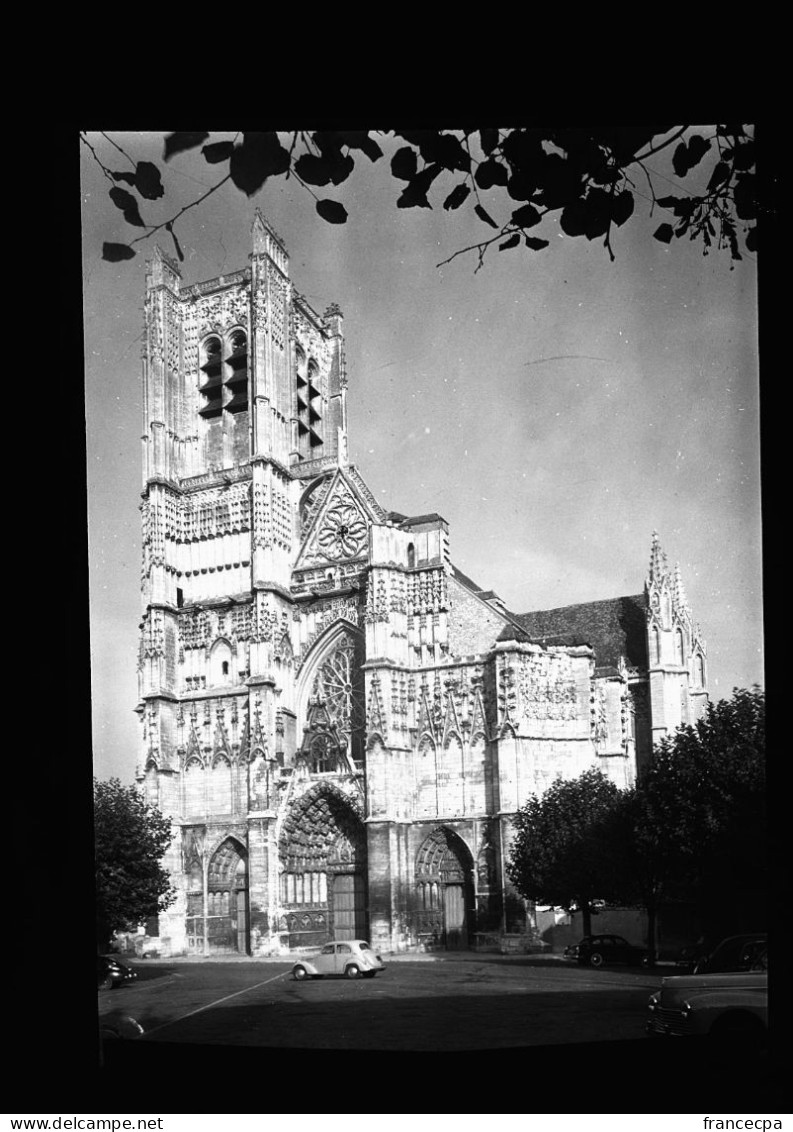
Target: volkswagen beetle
{"x":350,"y":958}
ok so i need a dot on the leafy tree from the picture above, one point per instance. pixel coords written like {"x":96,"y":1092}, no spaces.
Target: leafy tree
{"x":587,"y":179}
{"x":130,"y":839}
{"x":700,"y":829}
{"x":559,"y":853}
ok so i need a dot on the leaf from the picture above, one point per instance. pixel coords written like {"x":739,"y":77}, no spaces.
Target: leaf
{"x":148,"y":181}
{"x":687,"y":155}
{"x":404,"y":163}
{"x":480,"y":212}
{"x":456,"y":197}
{"x":535,"y":243}
{"x":360,"y":139}
{"x":446,"y":150}
{"x":751,"y":240}
{"x":127,"y":178}
{"x":178,"y":142}
{"x":664,"y":233}
{"x":721,"y":173}
{"x":523,"y":150}
{"x":414,"y":195}
{"x":176,"y":244}
{"x":522,"y":185}
{"x":589,"y":217}
{"x":512,"y":242}
{"x":560,"y":182}
{"x":622,"y":206}
{"x":128,"y":205}
{"x":488,"y":139}
{"x":744,"y":155}
{"x":680,"y":159}
{"x":113,"y":253}
{"x":491,"y":172}
{"x":526,"y":216}
{"x":744,"y":196}
{"x":218,"y":151}
{"x":312,"y":169}
{"x":260,"y":156}
{"x":332,"y":211}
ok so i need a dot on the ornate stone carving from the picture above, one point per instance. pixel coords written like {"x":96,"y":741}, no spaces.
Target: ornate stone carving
{"x":343,"y":531}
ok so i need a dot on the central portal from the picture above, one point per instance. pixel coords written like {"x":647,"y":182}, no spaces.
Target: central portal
{"x":322,"y":853}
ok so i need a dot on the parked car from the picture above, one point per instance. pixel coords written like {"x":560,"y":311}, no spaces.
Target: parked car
{"x":350,"y":958}
{"x":729,"y":1006}
{"x":736,"y":953}
{"x":111,"y":972}
{"x":595,"y":950}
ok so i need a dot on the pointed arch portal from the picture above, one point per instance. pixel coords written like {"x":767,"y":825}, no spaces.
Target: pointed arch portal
{"x":217,"y":917}
{"x":445,"y":890}
{"x":322,"y":851}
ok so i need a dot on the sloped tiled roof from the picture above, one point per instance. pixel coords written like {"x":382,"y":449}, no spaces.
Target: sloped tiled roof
{"x":614,"y":628}
{"x":469,"y":583}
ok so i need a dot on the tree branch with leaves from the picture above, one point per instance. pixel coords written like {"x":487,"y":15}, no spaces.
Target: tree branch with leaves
{"x":512,"y":178}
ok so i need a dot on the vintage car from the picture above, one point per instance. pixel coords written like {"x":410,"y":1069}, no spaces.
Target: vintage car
{"x":111,"y":972}
{"x":595,"y":950}
{"x":351,"y":958}
{"x":736,"y":953}
{"x":730,"y":1006}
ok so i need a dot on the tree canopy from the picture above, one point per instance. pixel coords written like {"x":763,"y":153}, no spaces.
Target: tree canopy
{"x":557,"y":856}
{"x":589,"y":180}
{"x":130,"y":840}
{"x":701,"y":826}
{"x":692,"y":830}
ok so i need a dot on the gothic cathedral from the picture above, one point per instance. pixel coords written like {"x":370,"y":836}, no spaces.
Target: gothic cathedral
{"x":340,"y":723}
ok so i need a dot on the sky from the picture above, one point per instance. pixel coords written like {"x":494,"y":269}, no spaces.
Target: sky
{"x":554,"y":407}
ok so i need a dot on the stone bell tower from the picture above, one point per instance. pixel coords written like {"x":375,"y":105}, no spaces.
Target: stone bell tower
{"x":244,"y":390}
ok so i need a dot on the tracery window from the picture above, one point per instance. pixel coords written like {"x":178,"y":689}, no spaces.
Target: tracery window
{"x":339,"y":689}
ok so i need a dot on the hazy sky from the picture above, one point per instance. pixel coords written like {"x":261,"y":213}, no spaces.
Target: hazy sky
{"x":554,"y":407}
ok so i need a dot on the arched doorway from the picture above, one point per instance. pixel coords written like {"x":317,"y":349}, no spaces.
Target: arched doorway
{"x":322,"y":850}
{"x":445,"y":890}
{"x":227,"y":898}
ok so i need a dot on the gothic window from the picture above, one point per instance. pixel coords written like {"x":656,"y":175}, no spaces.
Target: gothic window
{"x":194,"y":788}
{"x":411,"y":556}
{"x":219,"y":371}
{"x":220,"y":786}
{"x":237,"y":380}
{"x":699,"y":670}
{"x":309,"y":406}
{"x":656,"y":645}
{"x":679,"y":647}
{"x":339,"y":688}
{"x":211,"y":387}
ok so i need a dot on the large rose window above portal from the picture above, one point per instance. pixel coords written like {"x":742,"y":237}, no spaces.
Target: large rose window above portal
{"x":343,"y":532}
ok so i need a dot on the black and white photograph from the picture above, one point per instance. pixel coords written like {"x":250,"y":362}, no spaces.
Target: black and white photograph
{"x":425,"y":590}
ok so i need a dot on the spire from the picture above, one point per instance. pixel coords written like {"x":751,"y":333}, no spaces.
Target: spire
{"x":679,"y":594}
{"x":658,"y":564}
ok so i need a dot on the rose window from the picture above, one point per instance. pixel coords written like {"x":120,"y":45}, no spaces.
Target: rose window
{"x":343,"y":532}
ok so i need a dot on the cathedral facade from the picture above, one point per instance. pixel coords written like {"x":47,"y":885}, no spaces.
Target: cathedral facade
{"x":340,"y":724}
